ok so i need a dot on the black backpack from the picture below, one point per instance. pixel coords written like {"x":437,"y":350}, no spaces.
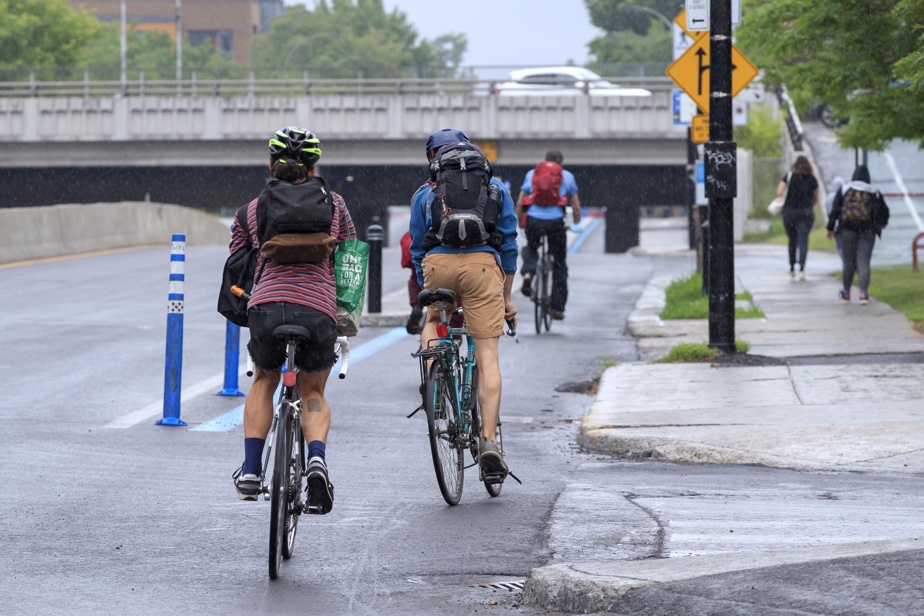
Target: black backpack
{"x":294,"y":221}
{"x":239,"y":271}
{"x":464,"y":204}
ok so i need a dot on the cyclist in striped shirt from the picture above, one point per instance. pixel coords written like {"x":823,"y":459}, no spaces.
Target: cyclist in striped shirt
{"x":291,"y":293}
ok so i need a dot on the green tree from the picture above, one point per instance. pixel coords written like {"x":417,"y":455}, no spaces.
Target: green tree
{"x":865,"y":60}
{"x":634,"y":32}
{"x":345,"y":38}
{"x":43,"y":33}
{"x":154,"y":53}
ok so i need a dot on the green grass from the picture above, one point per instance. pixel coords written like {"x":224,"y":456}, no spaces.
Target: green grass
{"x":901,"y":288}
{"x":697,"y":352}
{"x":684,"y":299}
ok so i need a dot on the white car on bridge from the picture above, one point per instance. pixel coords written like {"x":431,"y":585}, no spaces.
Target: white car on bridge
{"x":562,"y":81}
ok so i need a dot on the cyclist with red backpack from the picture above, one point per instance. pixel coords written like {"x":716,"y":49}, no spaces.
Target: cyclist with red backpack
{"x":545,"y":193}
{"x":464,"y":238}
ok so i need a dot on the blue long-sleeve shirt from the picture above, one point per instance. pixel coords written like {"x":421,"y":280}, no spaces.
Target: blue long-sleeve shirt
{"x":506,"y":226}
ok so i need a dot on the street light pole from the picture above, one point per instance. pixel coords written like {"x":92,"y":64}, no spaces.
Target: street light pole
{"x":179,"y":40}
{"x":123,"y":68}
{"x":652,"y":12}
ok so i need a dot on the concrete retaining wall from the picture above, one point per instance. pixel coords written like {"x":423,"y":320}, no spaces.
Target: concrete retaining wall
{"x":57,"y":230}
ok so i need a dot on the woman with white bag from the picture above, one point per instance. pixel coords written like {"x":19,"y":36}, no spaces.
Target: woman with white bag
{"x":801,"y":191}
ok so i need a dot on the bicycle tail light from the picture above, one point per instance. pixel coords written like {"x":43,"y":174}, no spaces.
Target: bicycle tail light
{"x":442,"y":330}
{"x":289,"y":378}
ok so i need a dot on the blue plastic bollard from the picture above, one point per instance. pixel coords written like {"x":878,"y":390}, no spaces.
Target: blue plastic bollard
{"x":173,"y":370}
{"x":232,"y":360}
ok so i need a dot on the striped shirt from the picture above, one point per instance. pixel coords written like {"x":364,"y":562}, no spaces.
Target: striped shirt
{"x":305,"y":284}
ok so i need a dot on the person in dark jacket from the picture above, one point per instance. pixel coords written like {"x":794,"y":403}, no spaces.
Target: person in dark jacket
{"x":858,"y":215}
{"x":798,"y":211}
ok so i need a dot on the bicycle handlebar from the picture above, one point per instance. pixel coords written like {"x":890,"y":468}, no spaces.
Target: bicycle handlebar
{"x":244,"y":295}
{"x":512,"y":330}
{"x":344,"y":343}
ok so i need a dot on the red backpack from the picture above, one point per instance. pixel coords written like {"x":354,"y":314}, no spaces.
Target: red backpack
{"x":547,"y":178}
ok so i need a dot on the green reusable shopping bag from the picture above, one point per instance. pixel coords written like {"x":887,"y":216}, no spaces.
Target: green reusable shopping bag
{"x":350,"y":264}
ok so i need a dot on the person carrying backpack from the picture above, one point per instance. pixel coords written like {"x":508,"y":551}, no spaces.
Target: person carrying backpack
{"x":858,"y":215}
{"x":464,"y":238}
{"x":546,"y":190}
{"x":295,"y":221}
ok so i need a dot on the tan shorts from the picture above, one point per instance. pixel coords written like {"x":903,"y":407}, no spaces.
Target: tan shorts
{"x":478,"y":281}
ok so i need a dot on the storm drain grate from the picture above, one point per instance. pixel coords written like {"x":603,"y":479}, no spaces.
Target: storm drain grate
{"x":511,"y":585}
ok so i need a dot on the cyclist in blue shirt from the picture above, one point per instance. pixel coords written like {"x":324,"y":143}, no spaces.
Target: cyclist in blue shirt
{"x":482,"y":278}
{"x":549,"y":220}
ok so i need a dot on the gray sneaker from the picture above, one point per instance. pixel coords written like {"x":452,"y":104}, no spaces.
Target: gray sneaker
{"x":247,"y":486}
{"x":320,"y":491}
{"x":492,"y":460}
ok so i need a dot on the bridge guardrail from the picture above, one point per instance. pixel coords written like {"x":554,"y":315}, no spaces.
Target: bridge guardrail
{"x":205,"y":88}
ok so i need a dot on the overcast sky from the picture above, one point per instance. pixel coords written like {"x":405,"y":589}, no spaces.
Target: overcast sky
{"x":504,"y":32}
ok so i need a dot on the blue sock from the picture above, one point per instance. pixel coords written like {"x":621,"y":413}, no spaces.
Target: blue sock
{"x":253,"y":450}
{"x":316,"y":449}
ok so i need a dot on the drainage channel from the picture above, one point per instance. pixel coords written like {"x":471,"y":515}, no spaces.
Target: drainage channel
{"x":510,"y":585}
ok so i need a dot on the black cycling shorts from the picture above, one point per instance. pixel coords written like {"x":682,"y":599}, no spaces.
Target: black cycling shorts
{"x":268,"y":353}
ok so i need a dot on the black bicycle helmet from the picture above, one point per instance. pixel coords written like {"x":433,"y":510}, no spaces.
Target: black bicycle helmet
{"x":445,"y":137}
{"x":293,"y":144}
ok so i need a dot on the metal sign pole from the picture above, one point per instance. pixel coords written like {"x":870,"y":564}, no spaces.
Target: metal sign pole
{"x":721,"y":181}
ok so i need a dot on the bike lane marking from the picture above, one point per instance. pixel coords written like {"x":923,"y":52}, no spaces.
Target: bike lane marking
{"x":583,"y":236}
{"x":235,"y":417}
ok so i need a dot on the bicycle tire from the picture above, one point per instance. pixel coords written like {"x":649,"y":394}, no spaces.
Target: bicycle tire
{"x":538,"y":293}
{"x":443,"y":428}
{"x":293,"y":507}
{"x":494,"y":489}
{"x":475,"y":433}
{"x":279,"y":491}
{"x":545,"y":274}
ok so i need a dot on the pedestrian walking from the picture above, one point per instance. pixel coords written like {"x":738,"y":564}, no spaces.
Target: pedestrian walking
{"x":858,"y":215}
{"x":801,"y":190}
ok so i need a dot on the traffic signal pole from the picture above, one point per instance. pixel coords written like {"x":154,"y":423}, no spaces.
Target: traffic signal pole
{"x":721,"y":181}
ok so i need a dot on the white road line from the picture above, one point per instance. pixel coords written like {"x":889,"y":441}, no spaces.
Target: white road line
{"x":235,"y":416}
{"x":157,"y":408}
{"x":901,"y":186}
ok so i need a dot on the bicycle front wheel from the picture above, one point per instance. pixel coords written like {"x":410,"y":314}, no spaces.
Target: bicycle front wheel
{"x":445,"y":438}
{"x":494,"y":489}
{"x":279,"y":495}
{"x":293,"y":504}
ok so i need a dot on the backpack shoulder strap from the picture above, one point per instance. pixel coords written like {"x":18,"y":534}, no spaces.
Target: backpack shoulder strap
{"x":241,"y":216}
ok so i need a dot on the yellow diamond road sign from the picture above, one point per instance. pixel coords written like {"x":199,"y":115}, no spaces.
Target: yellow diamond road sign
{"x":691,"y":71}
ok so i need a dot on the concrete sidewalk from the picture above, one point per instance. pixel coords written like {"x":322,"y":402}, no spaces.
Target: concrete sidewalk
{"x":826,"y":386}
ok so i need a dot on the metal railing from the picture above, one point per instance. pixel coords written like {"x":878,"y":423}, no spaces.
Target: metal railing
{"x":252,"y":87}
{"x":793,"y":125}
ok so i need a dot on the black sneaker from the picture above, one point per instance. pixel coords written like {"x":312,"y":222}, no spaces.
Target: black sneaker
{"x":320,"y":491}
{"x":413,"y":325}
{"x":527,"y":287}
{"x":247,"y":486}
{"x":492,"y":461}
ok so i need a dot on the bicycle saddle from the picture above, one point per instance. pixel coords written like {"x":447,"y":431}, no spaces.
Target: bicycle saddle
{"x":428,"y":298}
{"x":284,"y":332}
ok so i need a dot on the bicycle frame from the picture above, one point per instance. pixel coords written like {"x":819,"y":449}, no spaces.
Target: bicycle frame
{"x":445,"y":350}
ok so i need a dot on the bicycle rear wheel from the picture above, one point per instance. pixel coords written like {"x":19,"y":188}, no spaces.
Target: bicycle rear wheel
{"x":443,"y":426}
{"x":546,"y":283}
{"x":539,"y":295}
{"x":279,"y":495}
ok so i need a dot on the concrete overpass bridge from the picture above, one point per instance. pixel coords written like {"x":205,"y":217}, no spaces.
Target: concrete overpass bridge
{"x":63,"y":145}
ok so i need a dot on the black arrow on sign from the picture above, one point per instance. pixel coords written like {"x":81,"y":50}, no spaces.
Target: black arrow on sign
{"x":702,"y":69}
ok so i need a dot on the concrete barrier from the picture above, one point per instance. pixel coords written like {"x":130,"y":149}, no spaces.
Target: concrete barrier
{"x":58,"y":230}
